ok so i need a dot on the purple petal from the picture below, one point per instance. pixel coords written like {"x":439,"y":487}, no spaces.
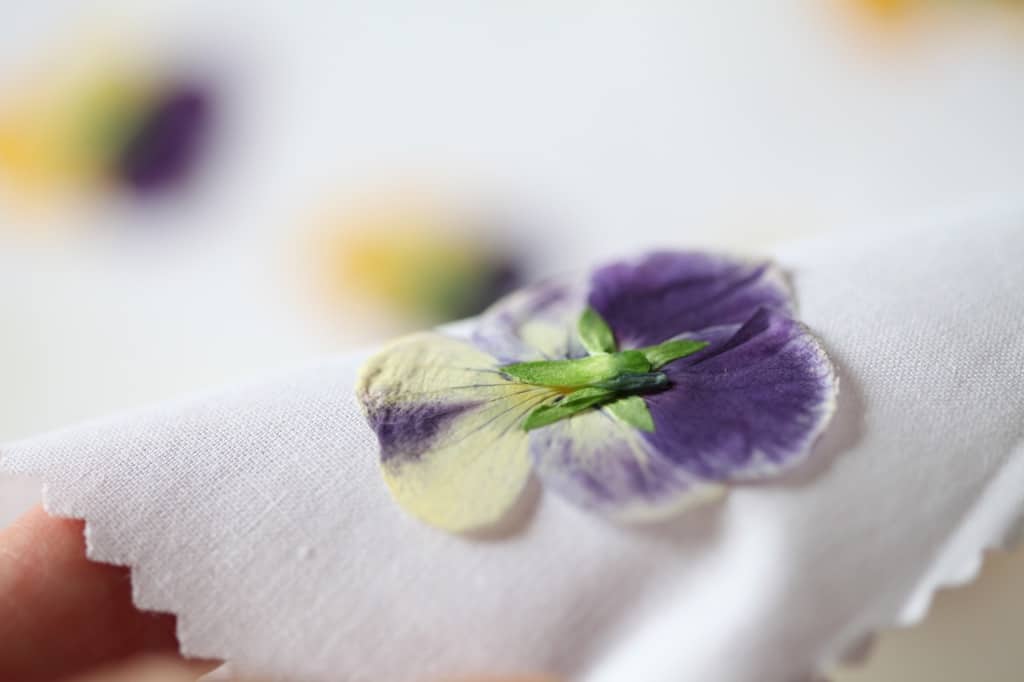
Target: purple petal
{"x":166,"y":146}
{"x":666,"y":294}
{"x":537,"y":322}
{"x":604,"y":465}
{"x":748,"y":404}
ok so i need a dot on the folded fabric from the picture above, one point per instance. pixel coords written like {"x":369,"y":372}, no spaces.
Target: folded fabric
{"x":259,"y":516}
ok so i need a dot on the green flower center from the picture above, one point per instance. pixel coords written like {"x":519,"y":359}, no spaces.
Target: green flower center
{"x":607,"y":377}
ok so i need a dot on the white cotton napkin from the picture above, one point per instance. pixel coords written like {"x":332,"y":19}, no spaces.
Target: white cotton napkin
{"x":258,"y":514}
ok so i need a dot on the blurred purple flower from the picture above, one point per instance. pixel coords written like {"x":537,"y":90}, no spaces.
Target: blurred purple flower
{"x":163,"y":150}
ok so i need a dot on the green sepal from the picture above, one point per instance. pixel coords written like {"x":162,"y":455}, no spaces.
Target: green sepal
{"x":595,"y":334}
{"x":580,"y":400}
{"x":664,"y":353}
{"x":579,"y":372}
{"x":632,"y":410}
{"x":630,"y":383}
{"x":606,"y":378}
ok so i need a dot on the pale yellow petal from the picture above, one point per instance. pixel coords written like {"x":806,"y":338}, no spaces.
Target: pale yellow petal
{"x":453,"y":450}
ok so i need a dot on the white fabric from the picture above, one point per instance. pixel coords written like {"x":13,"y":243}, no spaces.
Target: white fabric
{"x":17,"y":495}
{"x":258,"y":515}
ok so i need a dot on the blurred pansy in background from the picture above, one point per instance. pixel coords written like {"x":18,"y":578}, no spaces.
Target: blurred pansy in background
{"x":409,"y":260}
{"x":898,"y":12}
{"x":102,"y":125}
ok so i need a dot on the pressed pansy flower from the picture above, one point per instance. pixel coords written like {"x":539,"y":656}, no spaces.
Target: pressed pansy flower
{"x":634,"y":393}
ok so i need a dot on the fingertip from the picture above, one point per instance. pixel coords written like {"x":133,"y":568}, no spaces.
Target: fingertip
{"x":147,"y":668}
{"x":63,"y":613}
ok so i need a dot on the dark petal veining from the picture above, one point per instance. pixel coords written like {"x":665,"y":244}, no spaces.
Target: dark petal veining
{"x":409,"y":430}
{"x":665,"y":294}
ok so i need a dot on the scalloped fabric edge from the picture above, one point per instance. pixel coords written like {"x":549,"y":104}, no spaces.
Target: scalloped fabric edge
{"x":998,"y":516}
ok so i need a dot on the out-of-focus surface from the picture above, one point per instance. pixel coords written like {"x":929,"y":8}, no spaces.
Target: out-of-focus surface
{"x":586,"y":131}
{"x":971,"y":633}
{"x":592,"y":132}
